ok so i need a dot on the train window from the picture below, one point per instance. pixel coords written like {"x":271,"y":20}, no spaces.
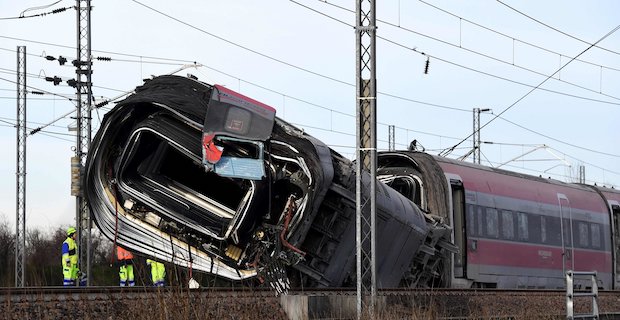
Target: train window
{"x":492,"y":223}
{"x":522,"y":226}
{"x":508,"y":225}
{"x":596,"y":235}
{"x":533,"y":228}
{"x":567,"y":235}
{"x":471,"y":220}
{"x":584,"y":239}
{"x":543,"y":229}
{"x":480,"y":214}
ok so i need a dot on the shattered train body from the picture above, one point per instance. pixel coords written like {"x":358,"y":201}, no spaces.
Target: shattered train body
{"x":184,"y":171}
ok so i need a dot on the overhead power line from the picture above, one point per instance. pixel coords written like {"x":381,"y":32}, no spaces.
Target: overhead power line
{"x":556,"y":29}
{"x":238,"y":45}
{"x":425,"y":54}
{"x":558,"y":140}
{"x":397,"y":127}
{"x":55,"y":11}
{"x":101,"y":51}
{"x":41,"y":90}
{"x":459,"y":46}
{"x":447,"y":151}
{"x":514,"y":38}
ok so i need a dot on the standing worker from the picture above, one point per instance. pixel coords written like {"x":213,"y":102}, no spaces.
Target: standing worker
{"x":125,"y":273}
{"x":69,"y":259}
{"x":158,"y":272}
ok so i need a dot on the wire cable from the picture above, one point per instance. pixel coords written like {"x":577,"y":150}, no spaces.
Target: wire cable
{"x":514,"y":38}
{"x":460,"y":65}
{"x":447,"y":151}
{"x":101,"y":51}
{"x":22,"y":16}
{"x":238,"y":45}
{"x":556,"y":29}
{"x":464,"y":48}
{"x":558,"y":140}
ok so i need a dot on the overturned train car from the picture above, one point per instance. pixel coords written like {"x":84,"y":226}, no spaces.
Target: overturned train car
{"x":202,"y":176}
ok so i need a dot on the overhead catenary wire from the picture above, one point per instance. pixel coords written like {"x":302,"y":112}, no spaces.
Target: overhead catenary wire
{"x":390,"y":95}
{"x":448,"y":150}
{"x":436,"y":57}
{"x":422,"y":102}
{"x":487,"y":56}
{"x":347,"y":83}
{"x":558,"y":140}
{"x":343,"y":82}
{"x":386,"y":94}
{"x":515,"y":38}
{"x":397,"y":127}
{"x":22,"y":16}
{"x":556,"y":29}
{"x":41,"y":90}
{"x":101,"y":51}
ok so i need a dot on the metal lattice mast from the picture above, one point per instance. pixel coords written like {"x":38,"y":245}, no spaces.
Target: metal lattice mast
{"x":366,"y":152}
{"x":476,"y":135}
{"x":391,"y":138}
{"x":20,"y":219}
{"x":83,"y":73}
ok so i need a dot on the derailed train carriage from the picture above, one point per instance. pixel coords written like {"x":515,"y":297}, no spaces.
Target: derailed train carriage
{"x":191,"y":173}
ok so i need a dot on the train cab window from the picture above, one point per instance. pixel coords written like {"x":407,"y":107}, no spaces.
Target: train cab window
{"x":584,"y":238}
{"x":508,"y":225}
{"x":492,"y":223}
{"x":522,"y":226}
{"x":596,"y":235}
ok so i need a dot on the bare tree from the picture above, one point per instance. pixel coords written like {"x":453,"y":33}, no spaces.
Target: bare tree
{"x":7,"y":252}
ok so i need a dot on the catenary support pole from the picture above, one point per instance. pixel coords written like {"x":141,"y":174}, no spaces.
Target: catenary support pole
{"x":20,"y":219}
{"x":366,"y":154}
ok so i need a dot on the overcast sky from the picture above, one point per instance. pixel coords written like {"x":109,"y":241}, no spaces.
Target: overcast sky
{"x":299,"y":57}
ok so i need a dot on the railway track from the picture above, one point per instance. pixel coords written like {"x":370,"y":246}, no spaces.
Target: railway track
{"x":252,"y":303}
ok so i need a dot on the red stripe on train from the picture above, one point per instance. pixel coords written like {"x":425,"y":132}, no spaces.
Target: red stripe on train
{"x":503,"y":253}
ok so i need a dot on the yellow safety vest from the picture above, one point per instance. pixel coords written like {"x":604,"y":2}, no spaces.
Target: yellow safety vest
{"x":70,"y":257}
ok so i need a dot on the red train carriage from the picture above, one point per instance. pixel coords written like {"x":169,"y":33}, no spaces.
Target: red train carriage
{"x":513,"y":230}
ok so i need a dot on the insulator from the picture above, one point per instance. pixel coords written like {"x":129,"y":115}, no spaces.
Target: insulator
{"x":426,"y":66}
{"x":59,"y":10}
{"x":104,"y":58}
{"x":101,"y":104}
{"x":37,"y":92}
{"x":56,"y":80}
{"x":72,"y":83}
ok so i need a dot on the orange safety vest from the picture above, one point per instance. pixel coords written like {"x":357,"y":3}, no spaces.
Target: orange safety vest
{"x":123,"y":254}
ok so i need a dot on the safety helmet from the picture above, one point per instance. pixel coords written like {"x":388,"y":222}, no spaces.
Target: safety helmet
{"x":70,"y":231}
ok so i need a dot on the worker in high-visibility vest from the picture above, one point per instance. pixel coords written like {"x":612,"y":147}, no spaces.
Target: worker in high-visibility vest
{"x":158,"y":272}
{"x":125,"y":273}
{"x":70,"y":269}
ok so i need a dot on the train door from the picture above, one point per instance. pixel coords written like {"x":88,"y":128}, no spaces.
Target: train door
{"x":459,"y":225}
{"x":615,"y":211}
{"x":566,"y":226}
